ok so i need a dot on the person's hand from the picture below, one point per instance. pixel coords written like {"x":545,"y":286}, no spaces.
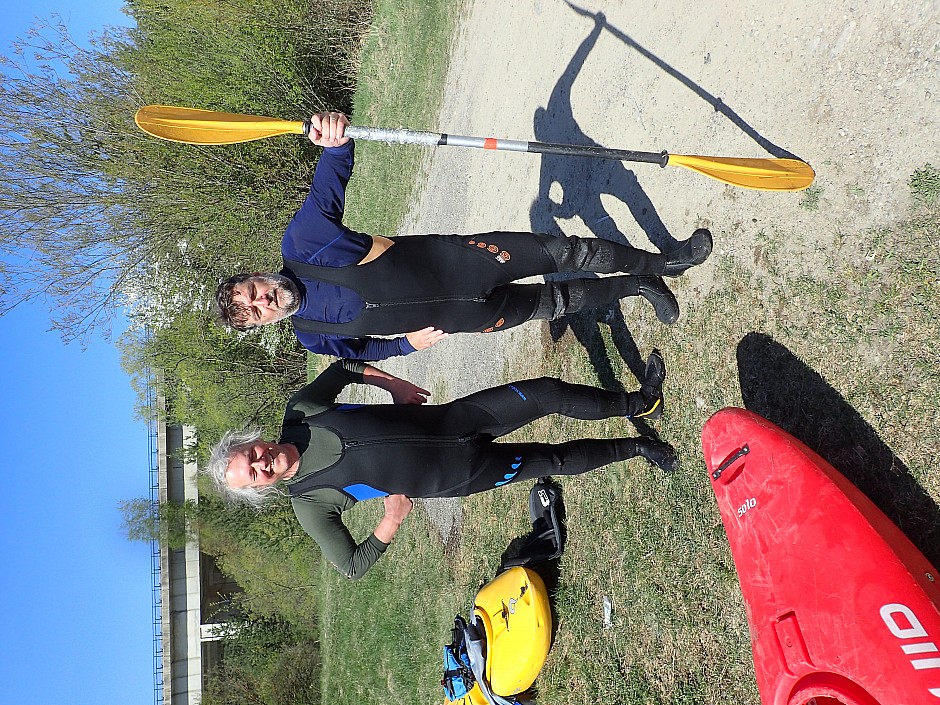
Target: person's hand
{"x":397,"y":507}
{"x":426,"y":337}
{"x":328,"y":129}
{"x":404,"y":392}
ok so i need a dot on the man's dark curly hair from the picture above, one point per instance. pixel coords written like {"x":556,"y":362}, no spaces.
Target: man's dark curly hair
{"x":231,"y":313}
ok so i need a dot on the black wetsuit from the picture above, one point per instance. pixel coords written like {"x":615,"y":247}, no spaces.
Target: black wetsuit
{"x":357,"y":452}
{"x":464,"y":283}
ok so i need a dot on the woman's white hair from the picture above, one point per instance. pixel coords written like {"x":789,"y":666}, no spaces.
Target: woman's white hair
{"x":221,"y":456}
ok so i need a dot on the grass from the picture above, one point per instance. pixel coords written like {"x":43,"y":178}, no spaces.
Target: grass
{"x":848,"y":364}
{"x":404,"y":64}
{"x":369,"y":627}
{"x":811,"y":197}
{"x":848,"y":357}
{"x":925,"y":184}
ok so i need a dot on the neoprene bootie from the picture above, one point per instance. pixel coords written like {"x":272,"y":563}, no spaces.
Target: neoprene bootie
{"x":659,"y":453}
{"x":654,"y":290}
{"x":651,"y":390}
{"x":693,"y":251}
{"x":561,"y":298}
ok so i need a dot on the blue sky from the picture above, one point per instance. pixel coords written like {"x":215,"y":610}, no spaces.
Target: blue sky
{"x":75,"y":596}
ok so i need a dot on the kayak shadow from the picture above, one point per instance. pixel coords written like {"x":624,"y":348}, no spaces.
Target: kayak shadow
{"x":777,"y":385}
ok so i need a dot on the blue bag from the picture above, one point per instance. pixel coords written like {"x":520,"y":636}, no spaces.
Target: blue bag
{"x":458,"y":677}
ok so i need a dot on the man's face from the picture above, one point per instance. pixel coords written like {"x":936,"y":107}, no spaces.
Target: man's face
{"x":267,"y":298}
{"x":261,"y":463}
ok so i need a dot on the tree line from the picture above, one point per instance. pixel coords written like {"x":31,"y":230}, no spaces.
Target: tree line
{"x":97,"y":218}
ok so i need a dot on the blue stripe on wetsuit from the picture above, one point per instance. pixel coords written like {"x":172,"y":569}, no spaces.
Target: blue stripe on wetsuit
{"x":361,"y":492}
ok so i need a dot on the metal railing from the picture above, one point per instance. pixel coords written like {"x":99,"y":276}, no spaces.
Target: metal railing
{"x":158,"y":697}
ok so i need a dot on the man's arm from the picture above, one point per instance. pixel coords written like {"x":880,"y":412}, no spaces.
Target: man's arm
{"x":322,"y":520}
{"x":355,"y":348}
{"x":367,"y":348}
{"x":397,"y":507}
{"x":316,"y":233}
{"x":322,"y":392}
{"x":318,"y":395}
{"x":402,"y":391}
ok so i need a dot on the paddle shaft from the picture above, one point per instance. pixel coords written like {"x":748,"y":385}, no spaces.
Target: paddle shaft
{"x":435,"y":139}
{"x":195,"y":126}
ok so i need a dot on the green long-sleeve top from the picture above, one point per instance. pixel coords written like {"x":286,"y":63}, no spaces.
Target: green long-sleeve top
{"x":320,"y":511}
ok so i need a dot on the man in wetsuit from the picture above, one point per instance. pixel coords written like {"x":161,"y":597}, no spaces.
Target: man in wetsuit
{"x":330,"y":455}
{"x":342,"y":287}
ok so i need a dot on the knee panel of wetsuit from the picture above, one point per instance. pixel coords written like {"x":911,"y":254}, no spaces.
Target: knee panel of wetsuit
{"x":575,"y":254}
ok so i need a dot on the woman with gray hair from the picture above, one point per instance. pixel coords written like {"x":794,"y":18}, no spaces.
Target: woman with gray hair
{"x":331,"y":455}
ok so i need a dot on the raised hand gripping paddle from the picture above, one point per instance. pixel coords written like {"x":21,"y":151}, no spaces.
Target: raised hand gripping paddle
{"x":194,"y":126}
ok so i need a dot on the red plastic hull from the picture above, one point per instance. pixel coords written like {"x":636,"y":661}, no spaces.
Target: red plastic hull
{"x":842,"y":607}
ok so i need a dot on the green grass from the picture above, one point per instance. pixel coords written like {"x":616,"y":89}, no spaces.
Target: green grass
{"x":925,"y":184}
{"x":847,"y":363}
{"x":404,"y":65}
{"x":811,"y":197}
{"x":849,"y":354}
{"x":381,"y":636}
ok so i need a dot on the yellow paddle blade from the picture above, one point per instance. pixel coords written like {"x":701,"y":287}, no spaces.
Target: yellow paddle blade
{"x":760,"y":174}
{"x":194,"y":126}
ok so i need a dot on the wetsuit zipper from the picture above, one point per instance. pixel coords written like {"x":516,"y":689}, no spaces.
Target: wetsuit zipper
{"x":449,"y":299}
{"x":408,"y":439}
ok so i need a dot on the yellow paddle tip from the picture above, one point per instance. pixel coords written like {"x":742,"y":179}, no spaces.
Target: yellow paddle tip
{"x":759,"y":174}
{"x":197,"y":126}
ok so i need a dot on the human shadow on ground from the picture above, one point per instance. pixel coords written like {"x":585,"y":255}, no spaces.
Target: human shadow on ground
{"x":778,"y":386}
{"x":572,"y":187}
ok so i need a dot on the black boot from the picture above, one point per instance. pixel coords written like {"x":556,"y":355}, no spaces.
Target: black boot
{"x":651,"y":391}
{"x":560,"y":298}
{"x":591,"y":254}
{"x":654,"y":290}
{"x":693,"y":251}
{"x":660,"y":454}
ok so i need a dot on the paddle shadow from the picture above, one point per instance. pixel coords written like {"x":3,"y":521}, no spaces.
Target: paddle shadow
{"x":715,"y":101}
{"x":780,"y":387}
{"x":572,"y":187}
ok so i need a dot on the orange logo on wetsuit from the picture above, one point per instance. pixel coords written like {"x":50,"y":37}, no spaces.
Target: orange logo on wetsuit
{"x":502,"y":256}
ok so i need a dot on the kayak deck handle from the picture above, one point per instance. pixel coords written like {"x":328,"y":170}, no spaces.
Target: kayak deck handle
{"x":740,"y":453}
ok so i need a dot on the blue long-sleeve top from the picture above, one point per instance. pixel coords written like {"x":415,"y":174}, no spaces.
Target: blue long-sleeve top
{"x":316,"y":235}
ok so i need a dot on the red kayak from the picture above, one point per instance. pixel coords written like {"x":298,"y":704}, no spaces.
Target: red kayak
{"x":843,"y":608}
